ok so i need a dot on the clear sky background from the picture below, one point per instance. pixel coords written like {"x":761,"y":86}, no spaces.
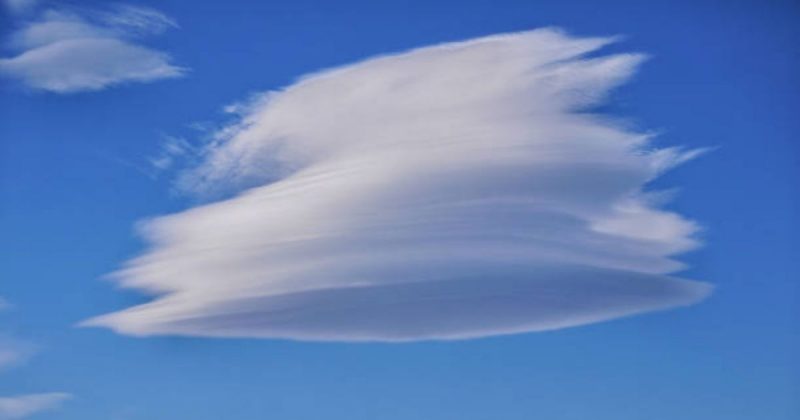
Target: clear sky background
{"x":722,"y":74}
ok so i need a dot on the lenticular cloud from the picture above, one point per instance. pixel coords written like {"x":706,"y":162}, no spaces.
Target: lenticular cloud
{"x":455,"y":191}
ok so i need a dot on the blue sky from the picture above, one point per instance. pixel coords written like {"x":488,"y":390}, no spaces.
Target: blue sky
{"x":76,"y":176}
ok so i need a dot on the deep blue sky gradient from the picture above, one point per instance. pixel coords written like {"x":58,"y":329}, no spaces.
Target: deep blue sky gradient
{"x":723,"y":74}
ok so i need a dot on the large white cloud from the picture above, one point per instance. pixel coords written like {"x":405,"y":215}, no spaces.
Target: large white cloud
{"x":455,"y":191}
{"x":65,"y":51}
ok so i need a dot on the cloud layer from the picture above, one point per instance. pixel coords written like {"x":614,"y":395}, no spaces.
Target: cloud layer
{"x":23,"y":406}
{"x":66,"y":51}
{"x":456,"y":191}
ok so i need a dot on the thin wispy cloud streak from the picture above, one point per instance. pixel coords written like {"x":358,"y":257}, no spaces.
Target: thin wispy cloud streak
{"x":24,"y":406}
{"x":455,"y":191}
{"x":71,"y":50}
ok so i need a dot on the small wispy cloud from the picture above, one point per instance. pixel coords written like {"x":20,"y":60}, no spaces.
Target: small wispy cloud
{"x":455,"y":191}
{"x":8,"y":355}
{"x":14,"y":352}
{"x":19,"y":6}
{"x":22,"y":406}
{"x":71,"y":50}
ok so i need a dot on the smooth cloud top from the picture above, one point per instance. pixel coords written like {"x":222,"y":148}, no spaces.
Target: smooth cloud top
{"x":455,"y":191}
{"x":64,"y":51}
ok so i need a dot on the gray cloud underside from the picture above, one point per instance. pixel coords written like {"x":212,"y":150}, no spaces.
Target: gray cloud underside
{"x":505,"y":300}
{"x":455,"y":191}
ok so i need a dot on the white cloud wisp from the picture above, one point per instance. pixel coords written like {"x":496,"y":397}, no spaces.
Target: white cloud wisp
{"x":13,"y":352}
{"x":65,"y":51}
{"x":455,"y":191}
{"x":22,"y":406}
